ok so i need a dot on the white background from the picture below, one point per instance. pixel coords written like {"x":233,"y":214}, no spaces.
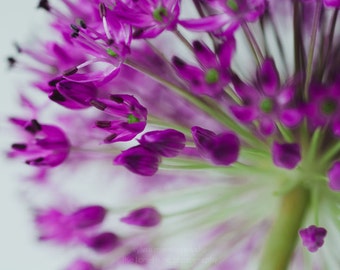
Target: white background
{"x":19,"y":249}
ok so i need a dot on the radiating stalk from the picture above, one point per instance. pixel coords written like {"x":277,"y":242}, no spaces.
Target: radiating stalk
{"x":282,"y":238}
{"x":316,"y":20}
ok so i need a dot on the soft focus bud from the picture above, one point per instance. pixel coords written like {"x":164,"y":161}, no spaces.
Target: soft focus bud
{"x":143,"y":217}
{"x":88,"y":216}
{"x":286,"y":155}
{"x":313,"y":237}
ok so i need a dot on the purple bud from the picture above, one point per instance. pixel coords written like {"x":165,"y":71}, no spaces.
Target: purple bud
{"x":73,"y":95}
{"x":167,"y":143}
{"x":222,"y":149}
{"x":313,"y":237}
{"x":286,"y":155}
{"x":81,"y":265}
{"x":103,"y":242}
{"x":139,"y":160}
{"x":88,"y":216}
{"x":334,"y":176}
{"x":143,"y":217}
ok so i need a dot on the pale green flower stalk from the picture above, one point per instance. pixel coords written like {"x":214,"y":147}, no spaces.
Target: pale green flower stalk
{"x":185,"y":134}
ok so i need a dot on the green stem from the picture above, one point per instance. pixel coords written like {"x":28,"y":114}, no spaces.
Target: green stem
{"x":309,"y":71}
{"x":283,"y":235}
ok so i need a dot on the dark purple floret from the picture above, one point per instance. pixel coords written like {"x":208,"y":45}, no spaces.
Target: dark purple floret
{"x":313,"y":237}
{"x":167,"y":143}
{"x":143,"y":217}
{"x":286,"y":155}
{"x":88,"y":216}
{"x":103,"y":242}
{"x":221,"y":149}
{"x":45,"y":145}
{"x":126,"y":117}
{"x":139,"y":160}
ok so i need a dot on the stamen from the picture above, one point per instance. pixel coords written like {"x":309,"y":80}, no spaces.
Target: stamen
{"x":56,"y":96}
{"x":44,"y":4}
{"x":11,"y":61}
{"x":117,"y":99}
{"x":70,"y":71}
{"x":102,"y":12}
{"x":54,"y":81}
{"x":82,"y":24}
{"x":103,"y":124}
{"x":34,"y":161}
{"x":110,"y":138}
{"x":99,"y":105}
{"x":178,"y":62}
{"x":19,"y":146}
{"x":34,"y":127}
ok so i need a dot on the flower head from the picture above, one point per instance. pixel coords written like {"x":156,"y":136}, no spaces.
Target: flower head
{"x":206,"y":132}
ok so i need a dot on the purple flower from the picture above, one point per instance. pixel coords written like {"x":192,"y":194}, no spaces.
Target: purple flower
{"x":324,"y":107}
{"x":139,"y":160}
{"x":334,"y":176}
{"x":129,"y":117}
{"x":213,"y":74}
{"x":167,"y":143}
{"x":103,"y":242}
{"x":226,"y":14}
{"x":313,"y":237}
{"x":88,"y":216}
{"x":221,"y":149}
{"x":286,"y":155}
{"x":150,"y":18}
{"x":143,"y":217}
{"x":45,"y":145}
{"x":270,"y":104}
{"x":54,"y":225}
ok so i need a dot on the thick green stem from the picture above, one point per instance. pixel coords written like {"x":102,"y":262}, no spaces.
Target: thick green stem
{"x":284,"y":233}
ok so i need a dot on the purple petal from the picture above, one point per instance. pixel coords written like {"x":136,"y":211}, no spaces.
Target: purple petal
{"x":313,"y":237}
{"x":139,"y":160}
{"x":205,"y":56}
{"x":73,"y":95}
{"x":143,"y":217}
{"x":334,"y":176}
{"x":286,"y":155}
{"x":267,"y":126}
{"x":268,"y":77}
{"x":210,"y":23}
{"x":244,"y":113}
{"x":222,"y":149}
{"x":290,"y":117}
{"x":203,"y":138}
{"x":167,"y":143}
{"x":225,"y":149}
{"x":103,"y":242}
{"x":226,"y":51}
{"x":332,"y":3}
{"x":88,"y":216}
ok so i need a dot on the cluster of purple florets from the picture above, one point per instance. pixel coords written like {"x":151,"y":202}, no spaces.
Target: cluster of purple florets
{"x":105,"y":61}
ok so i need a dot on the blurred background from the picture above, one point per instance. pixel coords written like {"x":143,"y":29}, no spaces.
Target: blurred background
{"x":19,"y":248}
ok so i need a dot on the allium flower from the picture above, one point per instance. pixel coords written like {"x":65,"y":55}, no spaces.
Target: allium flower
{"x":203,"y":134}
